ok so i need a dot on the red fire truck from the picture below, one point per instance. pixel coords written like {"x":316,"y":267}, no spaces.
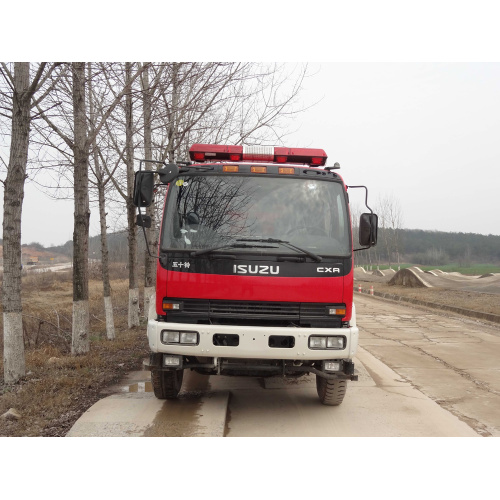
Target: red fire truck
{"x":255,"y":267}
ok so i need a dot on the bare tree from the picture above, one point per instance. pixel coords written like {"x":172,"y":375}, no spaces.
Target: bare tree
{"x":391,"y":223}
{"x":80,"y":339}
{"x":133,"y":308}
{"x":21,"y":94}
{"x":181,"y":103}
{"x":80,"y":147}
{"x":237,"y":103}
{"x":151,"y":233}
{"x":100,"y":184}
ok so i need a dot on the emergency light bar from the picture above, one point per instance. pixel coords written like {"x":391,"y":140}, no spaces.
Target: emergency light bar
{"x":268,"y":154}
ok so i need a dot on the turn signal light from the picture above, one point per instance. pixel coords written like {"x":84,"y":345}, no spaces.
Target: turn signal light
{"x":286,"y":170}
{"x":258,"y":170}
{"x":336,"y":311}
{"x":170,"y":307}
{"x":230,"y":168}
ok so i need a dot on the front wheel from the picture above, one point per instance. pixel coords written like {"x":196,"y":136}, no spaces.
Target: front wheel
{"x":331,"y":392}
{"x":167,"y":384}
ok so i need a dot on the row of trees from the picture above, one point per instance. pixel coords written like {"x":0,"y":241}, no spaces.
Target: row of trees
{"x":389,"y":247}
{"x":396,"y":245}
{"x":77,"y":129}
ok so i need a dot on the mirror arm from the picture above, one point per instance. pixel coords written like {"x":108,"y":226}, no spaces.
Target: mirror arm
{"x":146,"y":238}
{"x":366,"y":198}
{"x":149,"y":161}
{"x":141,"y":161}
{"x":371,"y":212}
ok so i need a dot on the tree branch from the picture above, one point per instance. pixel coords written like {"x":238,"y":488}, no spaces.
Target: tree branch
{"x":55,"y":128}
{"x":7,"y":76}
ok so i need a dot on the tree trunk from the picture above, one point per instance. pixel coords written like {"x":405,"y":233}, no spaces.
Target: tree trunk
{"x":80,"y":338}
{"x":14,"y":362}
{"x":108,"y":304}
{"x":151,"y":233}
{"x":133,"y":303}
{"x":172,"y":128}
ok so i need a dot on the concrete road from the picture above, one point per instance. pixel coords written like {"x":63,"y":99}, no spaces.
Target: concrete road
{"x":379,"y":404}
{"x":420,"y":374}
{"x":44,"y":268}
{"x":452,"y":360}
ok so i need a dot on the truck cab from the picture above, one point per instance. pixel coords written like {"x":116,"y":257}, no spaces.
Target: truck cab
{"x":255,"y":268}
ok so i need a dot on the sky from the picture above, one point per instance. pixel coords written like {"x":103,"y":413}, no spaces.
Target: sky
{"x":425,"y":135}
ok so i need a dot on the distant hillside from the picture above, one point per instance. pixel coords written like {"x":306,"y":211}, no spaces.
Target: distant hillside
{"x":456,"y":247}
{"x":37,"y":252}
{"x":117,"y":246}
{"x":416,"y":246}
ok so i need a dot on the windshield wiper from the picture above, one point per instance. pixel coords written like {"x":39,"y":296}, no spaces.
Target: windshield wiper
{"x":229,"y":245}
{"x":317,"y":258}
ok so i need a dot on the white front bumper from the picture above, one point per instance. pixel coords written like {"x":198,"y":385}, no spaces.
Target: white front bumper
{"x":253,"y":341}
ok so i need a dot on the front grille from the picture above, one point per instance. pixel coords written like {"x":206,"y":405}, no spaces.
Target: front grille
{"x":229,"y":309}
{"x":253,"y":312}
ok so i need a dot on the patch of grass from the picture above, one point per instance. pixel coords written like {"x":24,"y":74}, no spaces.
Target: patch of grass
{"x":55,"y":393}
{"x":472,"y":270}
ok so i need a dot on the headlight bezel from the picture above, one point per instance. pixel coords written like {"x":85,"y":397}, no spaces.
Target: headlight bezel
{"x":180,"y":337}
{"x":322,"y":342}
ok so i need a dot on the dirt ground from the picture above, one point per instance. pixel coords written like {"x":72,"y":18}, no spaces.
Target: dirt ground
{"x":58,"y":387}
{"x":471,"y":300}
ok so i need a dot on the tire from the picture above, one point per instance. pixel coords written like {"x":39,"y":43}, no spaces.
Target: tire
{"x":167,"y":384}
{"x":331,"y":392}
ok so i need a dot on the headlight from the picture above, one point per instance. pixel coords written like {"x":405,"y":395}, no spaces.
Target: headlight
{"x":327,"y":342}
{"x":189,"y":337}
{"x":179,"y":338}
{"x":170,"y":337}
{"x":317,"y":342}
{"x":335,"y":343}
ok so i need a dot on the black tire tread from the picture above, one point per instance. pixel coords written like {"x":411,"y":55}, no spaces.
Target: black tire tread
{"x":331,"y":392}
{"x":167,"y":384}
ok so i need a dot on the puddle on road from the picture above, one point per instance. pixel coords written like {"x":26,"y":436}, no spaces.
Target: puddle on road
{"x":179,"y":417}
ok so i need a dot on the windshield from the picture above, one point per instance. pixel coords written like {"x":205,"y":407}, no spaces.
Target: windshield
{"x":204,"y":212}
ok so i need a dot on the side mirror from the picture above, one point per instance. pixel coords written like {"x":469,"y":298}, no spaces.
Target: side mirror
{"x":368,"y":226}
{"x":143,"y":188}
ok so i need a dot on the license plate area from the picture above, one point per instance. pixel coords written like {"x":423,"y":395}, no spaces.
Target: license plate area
{"x":282,"y":341}
{"x":226,"y":339}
